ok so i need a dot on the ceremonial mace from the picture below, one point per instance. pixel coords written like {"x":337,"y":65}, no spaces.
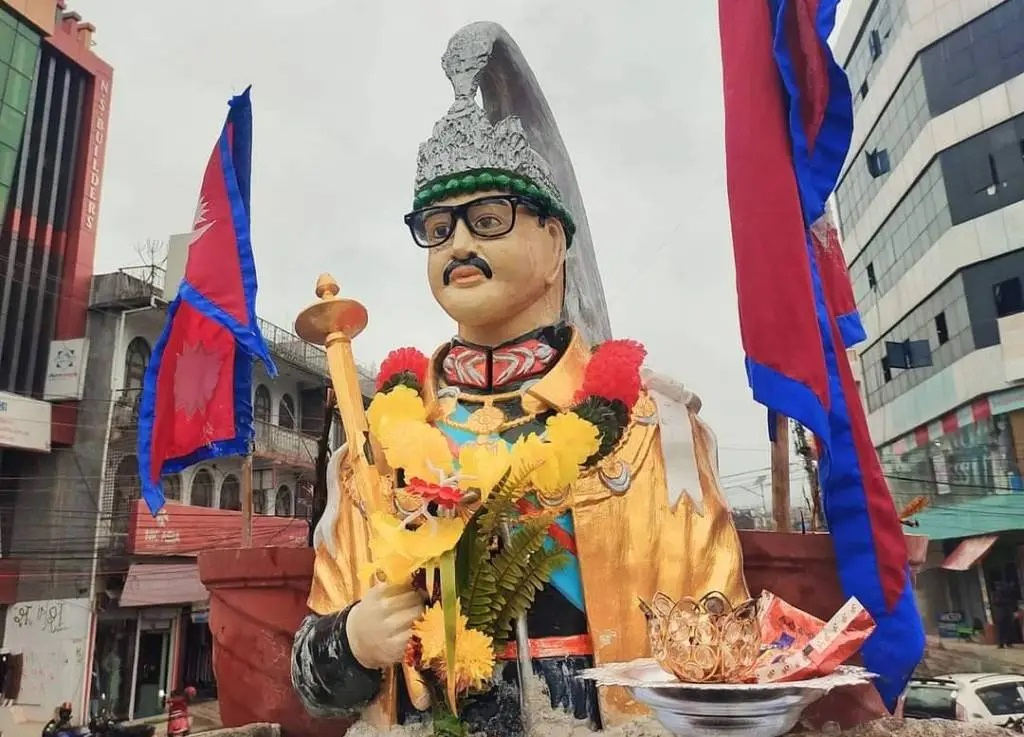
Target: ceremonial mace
{"x":332,"y":322}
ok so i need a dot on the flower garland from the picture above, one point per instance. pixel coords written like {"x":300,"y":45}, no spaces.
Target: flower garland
{"x":610,"y":388}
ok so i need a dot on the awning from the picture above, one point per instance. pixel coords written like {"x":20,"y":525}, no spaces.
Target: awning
{"x":986,"y":514}
{"x":159,"y":584}
{"x":968,"y":553}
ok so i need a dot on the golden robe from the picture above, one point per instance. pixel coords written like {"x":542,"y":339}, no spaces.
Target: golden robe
{"x":626,"y":531}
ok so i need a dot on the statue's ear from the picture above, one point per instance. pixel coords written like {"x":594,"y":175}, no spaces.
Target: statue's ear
{"x":556,"y":231}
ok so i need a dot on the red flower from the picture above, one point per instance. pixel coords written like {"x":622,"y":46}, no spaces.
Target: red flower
{"x":613,"y":372}
{"x":444,"y":496}
{"x":403,"y":360}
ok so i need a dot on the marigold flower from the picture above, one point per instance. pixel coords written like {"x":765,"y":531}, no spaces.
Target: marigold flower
{"x":401,"y":361}
{"x":421,"y":450}
{"x":548,"y":476}
{"x":474,"y":651}
{"x":398,"y":552}
{"x":482,"y":466}
{"x":398,"y":405}
{"x":573,"y":436}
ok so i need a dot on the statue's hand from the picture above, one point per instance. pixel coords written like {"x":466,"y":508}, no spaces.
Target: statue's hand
{"x":379,"y":626}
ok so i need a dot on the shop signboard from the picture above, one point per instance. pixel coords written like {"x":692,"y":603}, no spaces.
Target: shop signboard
{"x":949,"y":624}
{"x":24,"y":422}
{"x":65,"y":370}
{"x":185,"y":530}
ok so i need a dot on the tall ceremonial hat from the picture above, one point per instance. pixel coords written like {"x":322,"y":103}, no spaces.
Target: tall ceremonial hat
{"x":511,"y":144}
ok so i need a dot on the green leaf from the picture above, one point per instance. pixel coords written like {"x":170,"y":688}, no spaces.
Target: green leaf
{"x":501,"y":505}
{"x":479,"y":586}
{"x":450,"y":608}
{"x":517,"y":601}
{"x":446,"y":724}
{"x":520,"y":570}
{"x":465,"y":558}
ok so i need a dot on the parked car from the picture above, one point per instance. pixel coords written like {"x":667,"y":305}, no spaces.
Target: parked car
{"x":991,"y":698}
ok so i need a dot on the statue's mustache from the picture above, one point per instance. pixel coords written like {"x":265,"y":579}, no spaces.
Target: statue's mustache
{"x":473,"y":261}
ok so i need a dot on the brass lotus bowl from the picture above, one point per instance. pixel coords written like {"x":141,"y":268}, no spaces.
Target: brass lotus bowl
{"x":706,"y":640}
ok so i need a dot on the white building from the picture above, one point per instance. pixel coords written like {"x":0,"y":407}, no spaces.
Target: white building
{"x":109,"y":605}
{"x":931,"y":207}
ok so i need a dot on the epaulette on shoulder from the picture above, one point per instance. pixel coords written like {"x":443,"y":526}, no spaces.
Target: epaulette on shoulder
{"x":614,"y":474}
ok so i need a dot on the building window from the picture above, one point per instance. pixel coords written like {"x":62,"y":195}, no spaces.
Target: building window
{"x":1008,"y":297}
{"x":878,"y":162}
{"x":135,"y":361}
{"x":886,"y":371}
{"x":231,"y":494}
{"x":172,"y":488}
{"x":202,"y":489}
{"x":283,"y":502}
{"x":286,"y":413}
{"x":259,"y":501}
{"x":872,"y":279}
{"x":941,"y":330}
{"x":261,"y":404}
{"x":875,"y":45}
{"x":126,"y":490}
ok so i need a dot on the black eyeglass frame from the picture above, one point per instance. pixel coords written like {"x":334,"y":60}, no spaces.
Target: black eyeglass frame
{"x":461,"y":212}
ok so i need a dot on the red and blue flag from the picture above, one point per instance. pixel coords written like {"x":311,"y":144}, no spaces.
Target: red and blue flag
{"x":197,"y":395}
{"x":788,"y":128}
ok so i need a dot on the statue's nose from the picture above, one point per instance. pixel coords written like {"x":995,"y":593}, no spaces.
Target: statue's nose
{"x":463,"y":242}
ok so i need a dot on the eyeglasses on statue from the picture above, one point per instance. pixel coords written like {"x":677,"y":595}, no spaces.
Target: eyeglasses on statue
{"x":486,"y":217}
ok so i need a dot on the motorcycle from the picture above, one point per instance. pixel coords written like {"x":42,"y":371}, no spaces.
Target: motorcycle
{"x":61,"y":726}
{"x":104,"y":724}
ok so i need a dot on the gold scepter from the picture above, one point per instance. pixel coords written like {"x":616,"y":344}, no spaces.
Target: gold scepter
{"x":333,"y":322}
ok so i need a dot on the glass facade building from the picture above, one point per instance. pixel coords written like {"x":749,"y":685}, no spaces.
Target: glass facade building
{"x":19,"y":50}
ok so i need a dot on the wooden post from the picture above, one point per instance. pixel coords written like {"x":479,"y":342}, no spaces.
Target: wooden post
{"x":247,"y":500}
{"x":780,"y":474}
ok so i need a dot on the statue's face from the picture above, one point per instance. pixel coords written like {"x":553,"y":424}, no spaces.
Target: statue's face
{"x":482,"y":280}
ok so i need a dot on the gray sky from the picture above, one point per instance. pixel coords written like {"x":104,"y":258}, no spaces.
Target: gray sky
{"x":342,"y":98}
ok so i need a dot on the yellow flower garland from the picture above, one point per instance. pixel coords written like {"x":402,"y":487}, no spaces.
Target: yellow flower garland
{"x":398,"y":419}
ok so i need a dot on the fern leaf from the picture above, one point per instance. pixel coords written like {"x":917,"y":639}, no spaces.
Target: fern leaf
{"x":501,"y":506}
{"x":514,"y":564}
{"x":536,"y":574}
{"x":477,"y":584}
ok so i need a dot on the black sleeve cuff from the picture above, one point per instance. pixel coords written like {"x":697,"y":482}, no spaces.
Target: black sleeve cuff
{"x":328,"y":679}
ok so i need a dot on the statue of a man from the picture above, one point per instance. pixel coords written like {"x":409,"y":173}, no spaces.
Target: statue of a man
{"x":498,"y":235}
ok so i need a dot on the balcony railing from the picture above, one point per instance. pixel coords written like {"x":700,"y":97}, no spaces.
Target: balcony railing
{"x":287,"y":446}
{"x":312,"y":358}
{"x":138,"y":283}
{"x":294,"y":349}
{"x":128,"y":287}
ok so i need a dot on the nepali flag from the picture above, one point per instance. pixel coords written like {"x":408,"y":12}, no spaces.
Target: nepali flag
{"x":196,"y":399}
{"x":788,"y":126}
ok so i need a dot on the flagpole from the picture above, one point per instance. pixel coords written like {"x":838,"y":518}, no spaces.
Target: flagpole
{"x":780,"y":474}
{"x":247,"y":499}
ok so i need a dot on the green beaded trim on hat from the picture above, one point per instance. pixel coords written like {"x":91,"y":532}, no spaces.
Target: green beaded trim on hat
{"x":478,"y":181}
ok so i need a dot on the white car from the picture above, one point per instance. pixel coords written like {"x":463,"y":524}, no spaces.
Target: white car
{"x":990,"y":698}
